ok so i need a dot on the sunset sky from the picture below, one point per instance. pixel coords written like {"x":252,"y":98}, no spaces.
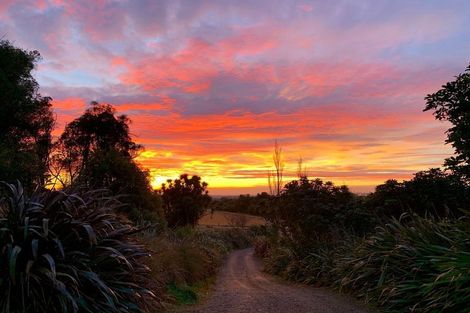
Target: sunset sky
{"x":209,"y":85}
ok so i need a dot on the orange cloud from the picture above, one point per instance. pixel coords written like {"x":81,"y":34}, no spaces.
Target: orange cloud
{"x":234,"y":149}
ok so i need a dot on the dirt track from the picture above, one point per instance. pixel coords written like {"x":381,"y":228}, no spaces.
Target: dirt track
{"x":242,"y":288}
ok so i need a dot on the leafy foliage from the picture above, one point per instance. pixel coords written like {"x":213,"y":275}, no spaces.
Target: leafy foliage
{"x":452,"y":103}
{"x":64,"y":252}
{"x":431,"y":192}
{"x":98,"y":130}
{"x":309,"y":211}
{"x":97,"y":151}
{"x":123,"y":177}
{"x":414,"y":264}
{"x":26,"y":118}
{"x":184,"y":200}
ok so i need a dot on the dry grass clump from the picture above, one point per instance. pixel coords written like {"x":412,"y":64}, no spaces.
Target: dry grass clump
{"x":185,"y":259}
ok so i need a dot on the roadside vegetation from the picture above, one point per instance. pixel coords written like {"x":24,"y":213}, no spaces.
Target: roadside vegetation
{"x":185,"y":261}
{"x":66,"y":251}
{"x":247,"y":204}
{"x":413,"y":263}
{"x":403,"y":248}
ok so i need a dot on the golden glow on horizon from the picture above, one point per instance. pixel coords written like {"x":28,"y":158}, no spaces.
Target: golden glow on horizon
{"x":160,"y":177}
{"x":232,"y":151}
{"x":226,"y":177}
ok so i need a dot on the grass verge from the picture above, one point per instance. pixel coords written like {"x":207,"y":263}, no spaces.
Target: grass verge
{"x":410,"y":265}
{"x":185,"y":261}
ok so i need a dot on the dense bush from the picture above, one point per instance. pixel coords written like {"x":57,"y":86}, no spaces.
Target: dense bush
{"x":64,"y":252}
{"x":312,"y":211}
{"x":417,"y":264}
{"x":312,"y":266}
{"x":122,"y":176}
{"x":414,"y":264}
{"x":432,"y":192}
{"x":421,"y":263}
{"x":184,"y":200}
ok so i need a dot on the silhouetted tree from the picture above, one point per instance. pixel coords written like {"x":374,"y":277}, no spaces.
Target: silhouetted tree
{"x":432,"y":192}
{"x":452,"y":103}
{"x":97,"y":130}
{"x":26,"y":118}
{"x":96,"y":150}
{"x":438,"y":193}
{"x":124,"y":177}
{"x":389,"y":199}
{"x":184,"y":200}
{"x":311,"y":211}
{"x":275,"y":178}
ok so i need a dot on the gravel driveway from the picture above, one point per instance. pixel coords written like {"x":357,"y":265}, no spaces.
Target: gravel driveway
{"x":242,"y":288}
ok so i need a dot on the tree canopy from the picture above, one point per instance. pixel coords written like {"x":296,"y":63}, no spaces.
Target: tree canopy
{"x":96,"y":150}
{"x":307,"y":210}
{"x":452,"y":103}
{"x":98,"y":130}
{"x":432,"y":192}
{"x":184,"y":200}
{"x":26,"y":118}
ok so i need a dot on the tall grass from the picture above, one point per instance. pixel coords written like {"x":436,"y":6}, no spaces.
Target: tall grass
{"x":185,"y":259}
{"x":414,"y":264}
{"x":417,"y":264}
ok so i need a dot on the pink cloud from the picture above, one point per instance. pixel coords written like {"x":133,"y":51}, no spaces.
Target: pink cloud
{"x":5,"y":5}
{"x":209,"y":85}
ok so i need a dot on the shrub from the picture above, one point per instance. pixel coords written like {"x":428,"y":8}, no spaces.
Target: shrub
{"x":253,"y":205}
{"x":414,"y":264}
{"x":432,"y":192}
{"x":262,"y":246}
{"x":64,"y":252}
{"x":309,"y":212}
{"x":314,"y":266}
{"x":418,"y":265}
{"x":184,"y":200}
